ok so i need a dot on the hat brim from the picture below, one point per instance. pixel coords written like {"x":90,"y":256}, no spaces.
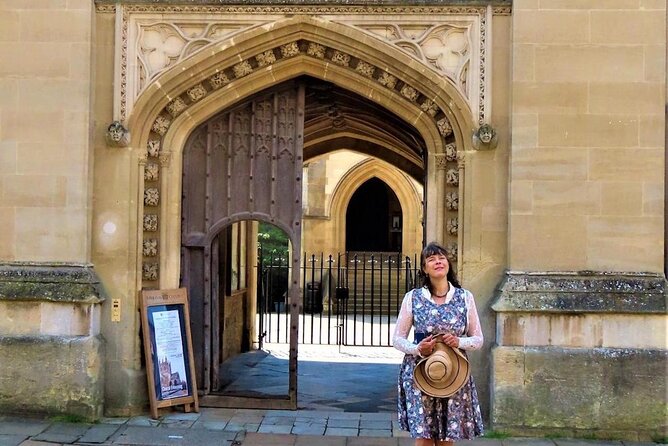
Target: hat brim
{"x":453,"y":381}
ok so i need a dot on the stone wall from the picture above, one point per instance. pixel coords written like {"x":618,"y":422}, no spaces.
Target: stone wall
{"x":581,"y":355}
{"x":50,"y":343}
{"x":588,"y":122}
{"x":45,"y":86}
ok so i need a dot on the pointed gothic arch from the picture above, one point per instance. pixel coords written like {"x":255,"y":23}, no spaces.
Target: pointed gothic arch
{"x":409,"y":199}
{"x":198,"y":87}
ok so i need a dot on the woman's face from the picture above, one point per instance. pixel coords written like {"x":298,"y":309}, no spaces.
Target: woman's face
{"x":436,"y":266}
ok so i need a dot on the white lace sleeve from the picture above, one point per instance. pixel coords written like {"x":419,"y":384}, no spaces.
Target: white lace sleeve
{"x":404,"y":323}
{"x":474,"y":339}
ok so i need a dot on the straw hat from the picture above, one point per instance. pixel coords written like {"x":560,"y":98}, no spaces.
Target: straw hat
{"x":442,"y":373}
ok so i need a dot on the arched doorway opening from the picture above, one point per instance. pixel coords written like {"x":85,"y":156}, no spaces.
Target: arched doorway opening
{"x":373,"y":219}
{"x":199,"y":88}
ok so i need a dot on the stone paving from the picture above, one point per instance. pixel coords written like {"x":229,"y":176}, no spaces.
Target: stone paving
{"x":242,"y":427}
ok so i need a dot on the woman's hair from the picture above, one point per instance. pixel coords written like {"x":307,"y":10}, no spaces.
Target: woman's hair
{"x":431,"y":249}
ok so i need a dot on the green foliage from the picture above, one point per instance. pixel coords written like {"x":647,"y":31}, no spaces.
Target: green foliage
{"x":69,"y":418}
{"x":496,"y":434}
{"x":274,"y":243}
{"x":660,"y":440}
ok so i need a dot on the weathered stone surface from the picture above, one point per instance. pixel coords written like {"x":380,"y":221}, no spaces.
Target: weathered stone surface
{"x":582,"y":292}
{"x":57,"y":282}
{"x":318,"y":2}
{"x":548,"y":390}
{"x":52,"y":375}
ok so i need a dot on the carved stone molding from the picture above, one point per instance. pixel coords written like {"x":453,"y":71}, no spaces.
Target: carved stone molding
{"x":150,"y":271}
{"x":450,"y":40}
{"x":150,"y":222}
{"x":452,"y":201}
{"x":441,"y":161}
{"x":582,"y":292}
{"x":151,"y":196}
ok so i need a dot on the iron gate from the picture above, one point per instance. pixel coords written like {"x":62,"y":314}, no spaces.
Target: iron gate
{"x":347,"y":299}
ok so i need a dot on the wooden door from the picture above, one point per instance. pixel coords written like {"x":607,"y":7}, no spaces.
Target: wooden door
{"x":243,"y":164}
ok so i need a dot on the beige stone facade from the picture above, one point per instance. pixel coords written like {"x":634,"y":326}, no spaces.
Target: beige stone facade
{"x":567,"y":204}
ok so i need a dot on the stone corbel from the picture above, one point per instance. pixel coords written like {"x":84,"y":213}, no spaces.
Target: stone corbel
{"x":485,"y":138}
{"x":117,"y":135}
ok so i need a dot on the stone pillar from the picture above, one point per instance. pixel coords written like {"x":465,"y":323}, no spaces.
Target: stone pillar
{"x":50,"y":298}
{"x":581,"y":317}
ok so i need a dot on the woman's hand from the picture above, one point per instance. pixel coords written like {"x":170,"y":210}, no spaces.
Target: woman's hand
{"x":426,"y":346}
{"x":451,"y":340}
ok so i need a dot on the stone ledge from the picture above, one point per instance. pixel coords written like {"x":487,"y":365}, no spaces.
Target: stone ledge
{"x":314,"y":2}
{"x":55,"y":282}
{"x":581,"y":292}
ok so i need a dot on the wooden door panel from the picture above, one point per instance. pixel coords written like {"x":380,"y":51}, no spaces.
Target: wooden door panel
{"x":244,"y":163}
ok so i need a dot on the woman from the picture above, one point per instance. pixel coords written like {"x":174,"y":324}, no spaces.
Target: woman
{"x":440,"y":307}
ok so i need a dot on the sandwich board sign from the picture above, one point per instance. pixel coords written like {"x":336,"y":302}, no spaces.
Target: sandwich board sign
{"x":170,"y":367}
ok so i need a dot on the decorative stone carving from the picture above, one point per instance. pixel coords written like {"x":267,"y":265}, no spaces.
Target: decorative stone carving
{"x":485,"y":138}
{"x":452,"y":177}
{"x":150,"y":223}
{"x":266,"y":58}
{"x":316,"y":50}
{"x":445,"y":48}
{"x":341,"y":58}
{"x":242,"y":69}
{"x":451,"y":151}
{"x":151,"y":196}
{"x":452,"y":226}
{"x":161,"y":125}
{"x":151,"y":172}
{"x":290,"y":49}
{"x":452,"y":251}
{"x":117,"y":135}
{"x":452,"y":201}
{"x":441,"y":162}
{"x":429,"y":107}
{"x":440,"y":36}
{"x":365,"y":69}
{"x":150,"y":271}
{"x":444,"y":127}
{"x":150,"y":247}
{"x":153,"y":148}
{"x":176,"y":107}
{"x":197,"y":92}
{"x":409,"y":92}
{"x":387,"y":80}
{"x":165,"y":158}
{"x":218,"y":80}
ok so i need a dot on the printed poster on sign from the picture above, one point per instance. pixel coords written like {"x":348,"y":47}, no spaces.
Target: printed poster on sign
{"x":170,"y":354}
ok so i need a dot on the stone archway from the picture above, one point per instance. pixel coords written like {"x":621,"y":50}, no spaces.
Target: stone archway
{"x":186,"y":95}
{"x":196,"y":89}
{"x":409,"y":199}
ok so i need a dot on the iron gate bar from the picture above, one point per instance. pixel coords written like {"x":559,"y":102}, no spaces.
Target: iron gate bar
{"x":366,"y":321}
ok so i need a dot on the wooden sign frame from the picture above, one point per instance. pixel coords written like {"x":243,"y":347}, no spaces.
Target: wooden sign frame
{"x":165,"y":321}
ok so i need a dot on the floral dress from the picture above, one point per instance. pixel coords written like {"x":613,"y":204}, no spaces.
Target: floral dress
{"x":447,"y":419}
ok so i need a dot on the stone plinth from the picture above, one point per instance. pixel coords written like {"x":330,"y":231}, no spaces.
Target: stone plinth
{"x":53,"y":359}
{"x":581,"y":354}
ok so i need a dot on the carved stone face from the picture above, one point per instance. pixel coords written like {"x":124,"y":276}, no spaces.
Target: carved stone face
{"x":116,"y":131}
{"x":486,"y":133}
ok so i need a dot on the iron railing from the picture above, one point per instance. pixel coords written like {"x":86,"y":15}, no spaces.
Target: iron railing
{"x":347,"y":299}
